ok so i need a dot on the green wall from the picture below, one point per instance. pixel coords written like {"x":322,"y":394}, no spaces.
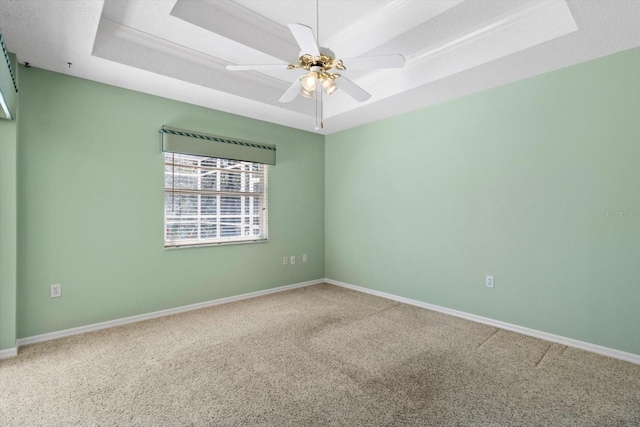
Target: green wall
{"x":8,"y":226}
{"x":8,"y":238}
{"x":536,"y":183}
{"x":91,"y":200}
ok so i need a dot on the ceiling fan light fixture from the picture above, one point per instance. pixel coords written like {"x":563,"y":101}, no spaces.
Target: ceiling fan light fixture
{"x":306,"y":93}
{"x":309,"y":81}
{"x":329,"y":86}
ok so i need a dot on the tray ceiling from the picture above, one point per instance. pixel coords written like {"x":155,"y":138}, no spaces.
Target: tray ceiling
{"x":179,"y":48}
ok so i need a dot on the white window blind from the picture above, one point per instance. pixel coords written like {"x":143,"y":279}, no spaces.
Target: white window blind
{"x":211,"y":200}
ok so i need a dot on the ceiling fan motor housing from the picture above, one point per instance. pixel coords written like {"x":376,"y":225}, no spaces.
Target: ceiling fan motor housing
{"x":325,"y":61}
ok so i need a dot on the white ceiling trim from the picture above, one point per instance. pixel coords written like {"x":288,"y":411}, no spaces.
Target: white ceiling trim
{"x":117,"y":30}
{"x":529,"y":11}
{"x":238,"y":23}
{"x":541,"y":22}
{"x":109,"y":28}
{"x":396,"y":18}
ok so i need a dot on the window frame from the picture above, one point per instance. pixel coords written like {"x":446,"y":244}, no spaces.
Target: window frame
{"x":246,"y":168}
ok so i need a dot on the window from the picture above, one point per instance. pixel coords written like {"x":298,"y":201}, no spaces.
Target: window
{"x":211,"y":200}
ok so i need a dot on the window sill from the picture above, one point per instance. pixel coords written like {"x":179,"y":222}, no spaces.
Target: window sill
{"x":202,"y":245}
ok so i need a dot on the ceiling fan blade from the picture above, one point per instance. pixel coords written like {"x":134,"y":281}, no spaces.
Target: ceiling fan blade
{"x":292,"y":92}
{"x":352,"y":89}
{"x":257,"y":67}
{"x":373,"y":62}
{"x":305,"y":38}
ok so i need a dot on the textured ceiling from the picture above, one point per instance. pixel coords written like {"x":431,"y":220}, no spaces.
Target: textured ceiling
{"x":179,"y":49}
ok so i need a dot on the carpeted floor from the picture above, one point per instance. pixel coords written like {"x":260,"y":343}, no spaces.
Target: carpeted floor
{"x":320,"y":355}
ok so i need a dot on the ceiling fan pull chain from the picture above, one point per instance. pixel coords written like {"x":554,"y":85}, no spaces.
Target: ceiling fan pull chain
{"x":319,"y":119}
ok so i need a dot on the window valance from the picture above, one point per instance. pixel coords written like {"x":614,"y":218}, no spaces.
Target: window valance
{"x":201,"y":144}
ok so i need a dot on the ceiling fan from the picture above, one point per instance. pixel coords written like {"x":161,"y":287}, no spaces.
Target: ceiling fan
{"x":319,"y":61}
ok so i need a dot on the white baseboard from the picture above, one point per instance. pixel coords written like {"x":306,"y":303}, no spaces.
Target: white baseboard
{"x":152,"y":315}
{"x":570,"y":342}
{"x":10,"y":352}
{"x":606,"y":351}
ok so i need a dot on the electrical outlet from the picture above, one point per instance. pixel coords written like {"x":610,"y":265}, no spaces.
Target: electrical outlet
{"x":56,"y":291}
{"x":489,"y":281}
{"x":285,"y":260}
{"x":292,"y":260}
{"x":304,"y":258}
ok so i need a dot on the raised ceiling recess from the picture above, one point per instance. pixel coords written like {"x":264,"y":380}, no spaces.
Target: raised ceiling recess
{"x":180,"y":49}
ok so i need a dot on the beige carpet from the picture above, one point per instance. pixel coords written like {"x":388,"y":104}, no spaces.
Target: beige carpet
{"x":320,"y":355}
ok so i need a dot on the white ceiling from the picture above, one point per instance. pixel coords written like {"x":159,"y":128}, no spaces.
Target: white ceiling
{"x":179,"y":49}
